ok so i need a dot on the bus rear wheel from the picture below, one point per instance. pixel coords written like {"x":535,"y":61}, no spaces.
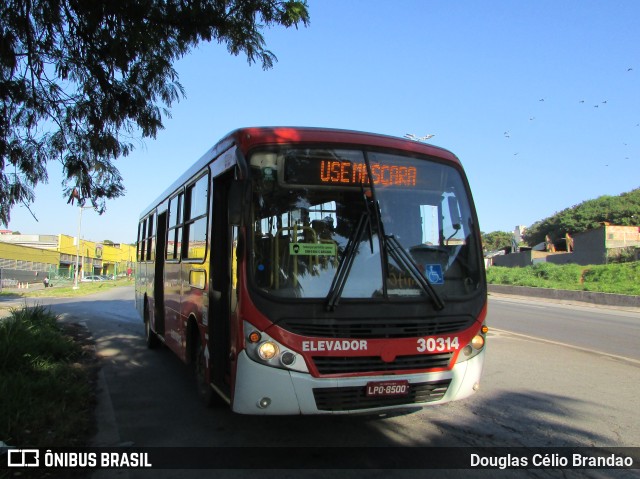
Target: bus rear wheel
{"x":150,"y":337}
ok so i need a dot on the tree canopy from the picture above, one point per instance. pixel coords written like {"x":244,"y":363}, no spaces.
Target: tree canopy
{"x":79,"y":80}
{"x":622,"y":210}
{"x":496,"y":240}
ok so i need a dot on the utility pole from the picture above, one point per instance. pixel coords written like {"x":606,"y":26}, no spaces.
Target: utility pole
{"x":77,"y":272}
{"x":75,"y":282}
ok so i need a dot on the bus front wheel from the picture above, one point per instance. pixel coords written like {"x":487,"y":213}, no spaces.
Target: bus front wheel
{"x":205,"y":391}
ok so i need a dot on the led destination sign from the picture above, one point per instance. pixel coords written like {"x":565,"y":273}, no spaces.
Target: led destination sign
{"x":347,"y":173}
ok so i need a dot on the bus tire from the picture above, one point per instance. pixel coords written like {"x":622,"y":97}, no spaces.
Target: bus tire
{"x":150,"y":337}
{"x":205,"y":392}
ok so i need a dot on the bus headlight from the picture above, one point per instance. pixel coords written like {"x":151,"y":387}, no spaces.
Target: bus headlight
{"x":475,"y":346}
{"x":268,"y":350}
{"x":477,"y":342}
{"x":265,"y":350}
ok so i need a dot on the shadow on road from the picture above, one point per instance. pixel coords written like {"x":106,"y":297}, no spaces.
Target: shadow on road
{"x":154,"y":404}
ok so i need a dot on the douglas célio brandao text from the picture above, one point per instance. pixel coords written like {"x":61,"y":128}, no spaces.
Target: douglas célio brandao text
{"x":551,"y":460}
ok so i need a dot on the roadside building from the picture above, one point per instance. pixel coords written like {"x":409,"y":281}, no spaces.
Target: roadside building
{"x":28,"y":257}
{"x":596,"y":246}
{"x":21,"y":265}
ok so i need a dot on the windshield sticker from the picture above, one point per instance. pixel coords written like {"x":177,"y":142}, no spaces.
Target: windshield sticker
{"x":434,"y":273}
{"x":312,"y":249}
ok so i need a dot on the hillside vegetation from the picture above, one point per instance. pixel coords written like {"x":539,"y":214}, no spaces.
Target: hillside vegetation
{"x":622,"y":210}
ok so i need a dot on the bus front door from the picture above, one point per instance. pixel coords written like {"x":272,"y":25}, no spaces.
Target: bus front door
{"x":158,"y":281}
{"x":222,"y":281}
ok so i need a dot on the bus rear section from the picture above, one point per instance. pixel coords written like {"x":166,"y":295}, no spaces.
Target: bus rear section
{"x":361,"y":282}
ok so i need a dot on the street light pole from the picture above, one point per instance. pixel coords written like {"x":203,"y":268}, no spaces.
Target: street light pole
{"x":75,"y":282}
{"x":413,"y":137}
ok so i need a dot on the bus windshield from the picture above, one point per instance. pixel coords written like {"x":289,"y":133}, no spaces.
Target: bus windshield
{"x":314,"y":209}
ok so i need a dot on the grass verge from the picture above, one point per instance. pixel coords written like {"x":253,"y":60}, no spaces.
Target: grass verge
{"x":66,"y":290}
{"x":47,"y":374}
{"x":619,"y":278}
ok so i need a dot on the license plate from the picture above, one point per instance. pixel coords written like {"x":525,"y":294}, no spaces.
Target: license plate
{"x":388,"y":388}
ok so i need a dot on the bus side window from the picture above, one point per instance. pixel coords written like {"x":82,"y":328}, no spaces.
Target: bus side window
{"x":174,"y":239}
{"x":141,"y":240}
{"x":195,"y":220}
{"x":150,"y":240}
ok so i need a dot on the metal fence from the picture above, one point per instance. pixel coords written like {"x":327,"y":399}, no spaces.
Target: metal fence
{"x":24,"y":278}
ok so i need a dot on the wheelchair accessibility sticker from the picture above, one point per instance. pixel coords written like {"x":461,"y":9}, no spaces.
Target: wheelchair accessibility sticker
{"x":434,"y":274}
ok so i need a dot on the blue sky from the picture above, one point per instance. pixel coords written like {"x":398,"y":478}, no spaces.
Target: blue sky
{"x":539,"y":99}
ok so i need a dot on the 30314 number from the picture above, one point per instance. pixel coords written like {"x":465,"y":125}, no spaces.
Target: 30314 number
{"x":431,"y":345}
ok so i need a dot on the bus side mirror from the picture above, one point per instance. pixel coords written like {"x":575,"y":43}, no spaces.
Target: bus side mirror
{"x":236,"y":200}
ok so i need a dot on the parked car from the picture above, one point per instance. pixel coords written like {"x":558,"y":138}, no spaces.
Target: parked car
{"x":90,"y":279}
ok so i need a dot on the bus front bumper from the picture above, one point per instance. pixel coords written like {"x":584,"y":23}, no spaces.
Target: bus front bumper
{"x":264,"y":390}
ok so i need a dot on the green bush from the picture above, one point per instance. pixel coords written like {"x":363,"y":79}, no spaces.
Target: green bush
{"x":46,"y":393}
{"x":620,"y":278}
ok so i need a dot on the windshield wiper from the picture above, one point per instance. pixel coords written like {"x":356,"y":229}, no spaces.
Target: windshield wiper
{"x":368,"y":213}
{"x":395,"y":249}
{"x":340,"y":279}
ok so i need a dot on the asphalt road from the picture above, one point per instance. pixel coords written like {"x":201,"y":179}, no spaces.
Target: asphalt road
{"x":615,"y":331}
{"x":549,"y":381}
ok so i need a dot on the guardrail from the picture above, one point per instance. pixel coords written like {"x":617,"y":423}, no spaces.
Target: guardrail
{"x":605,"y":299}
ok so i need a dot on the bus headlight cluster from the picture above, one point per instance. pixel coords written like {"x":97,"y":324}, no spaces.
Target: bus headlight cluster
{"x":475,"y":345}
{"x":263,"y":349}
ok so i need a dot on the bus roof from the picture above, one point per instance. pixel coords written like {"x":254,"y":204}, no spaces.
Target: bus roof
{"x":251,"y":137}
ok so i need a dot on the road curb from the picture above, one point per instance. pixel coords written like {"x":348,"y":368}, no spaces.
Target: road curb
{"x":604,"y":299}
{"x":108,"y":433}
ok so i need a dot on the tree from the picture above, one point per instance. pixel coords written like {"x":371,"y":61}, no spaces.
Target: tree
{"x":496,"y":240}
{"x":623,"y":210}
{"x":79,"y":80}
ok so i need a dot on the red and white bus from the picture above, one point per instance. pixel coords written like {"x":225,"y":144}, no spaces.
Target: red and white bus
{"x":317,"y":271}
